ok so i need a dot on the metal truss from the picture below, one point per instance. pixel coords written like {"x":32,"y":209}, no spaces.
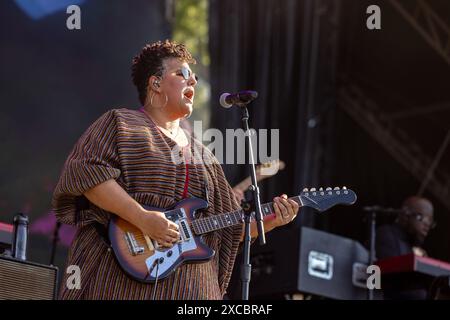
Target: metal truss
{"x":419,"y":111}
{"x":396,"y":141}
{"x":427,"y":23}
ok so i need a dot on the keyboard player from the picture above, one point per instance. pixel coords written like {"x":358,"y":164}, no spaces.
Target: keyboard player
{"x":405,"y":236}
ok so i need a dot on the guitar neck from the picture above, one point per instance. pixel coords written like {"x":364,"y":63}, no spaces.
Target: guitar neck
{"x":319,"y":200}
{"x":225,"y":220}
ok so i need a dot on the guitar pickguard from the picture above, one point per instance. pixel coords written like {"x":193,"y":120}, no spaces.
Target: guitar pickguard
{"x":164,"y":258}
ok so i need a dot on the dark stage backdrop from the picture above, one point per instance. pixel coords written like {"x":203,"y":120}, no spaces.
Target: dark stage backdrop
{"x":263,"y":46}
{"x":273,"y":47}
{"x":399,"y":72}
{"x":297,"y":55}
{"x":54,"y":83}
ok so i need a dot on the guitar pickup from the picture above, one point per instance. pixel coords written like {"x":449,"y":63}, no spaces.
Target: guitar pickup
{"x":133,"y":246}
{"x":184,"y":231}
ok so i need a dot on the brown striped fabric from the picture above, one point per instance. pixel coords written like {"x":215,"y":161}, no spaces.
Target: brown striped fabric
{"x":125,"y":145}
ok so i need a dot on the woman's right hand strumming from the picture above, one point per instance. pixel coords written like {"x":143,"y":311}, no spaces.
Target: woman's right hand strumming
{"x":155,"y":225}
{"x":111,"y":197}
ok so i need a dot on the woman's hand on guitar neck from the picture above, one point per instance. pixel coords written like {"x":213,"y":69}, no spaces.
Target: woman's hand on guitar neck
{"x":285,"y":210}
{"x":155,"y":225}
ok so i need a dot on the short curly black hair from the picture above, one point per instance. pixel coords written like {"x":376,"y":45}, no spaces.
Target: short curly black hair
{"x":150,"y":62}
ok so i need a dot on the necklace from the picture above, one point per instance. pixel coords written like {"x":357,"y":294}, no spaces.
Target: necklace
{"x":170,"y":132}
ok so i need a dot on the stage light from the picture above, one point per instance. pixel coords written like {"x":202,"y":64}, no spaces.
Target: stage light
{"x":37,"y":9}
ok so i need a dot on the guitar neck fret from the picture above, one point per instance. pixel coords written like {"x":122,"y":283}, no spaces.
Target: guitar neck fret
{"x":208,"y":224}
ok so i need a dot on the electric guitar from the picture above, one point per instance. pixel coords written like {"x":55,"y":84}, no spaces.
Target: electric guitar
{"x":144,"y":260}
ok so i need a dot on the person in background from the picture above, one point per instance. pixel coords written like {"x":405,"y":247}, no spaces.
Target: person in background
{"x":406,"y":236}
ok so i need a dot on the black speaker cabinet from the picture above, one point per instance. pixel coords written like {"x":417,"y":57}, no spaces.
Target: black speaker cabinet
{"x":23,"y":280}
{"x":309,"y":261}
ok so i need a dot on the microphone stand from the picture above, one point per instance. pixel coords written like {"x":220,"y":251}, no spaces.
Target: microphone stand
{"x":252,"y":203}
{"x":372,"y":238}
{"x":372,"y":222}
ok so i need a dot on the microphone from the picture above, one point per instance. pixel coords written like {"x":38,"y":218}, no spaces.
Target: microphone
{"x":243,"y":97}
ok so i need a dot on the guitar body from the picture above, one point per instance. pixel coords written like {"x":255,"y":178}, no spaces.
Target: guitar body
{"x":141,"y":257}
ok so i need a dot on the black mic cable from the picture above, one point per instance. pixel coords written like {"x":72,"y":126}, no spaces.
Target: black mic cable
{"x":157,"y":262}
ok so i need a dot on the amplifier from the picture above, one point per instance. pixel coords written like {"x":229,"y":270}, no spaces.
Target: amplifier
{"x":308,"y":261}
{"x":23,"y":280}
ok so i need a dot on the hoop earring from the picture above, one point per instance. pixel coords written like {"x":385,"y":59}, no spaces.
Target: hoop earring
{"x":187,"y":116}
{"x":151,"y":101}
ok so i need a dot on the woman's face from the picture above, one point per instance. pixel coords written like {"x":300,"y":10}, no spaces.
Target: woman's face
{"x":178,"y":83}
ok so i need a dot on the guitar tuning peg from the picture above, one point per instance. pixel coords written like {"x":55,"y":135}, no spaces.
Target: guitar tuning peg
{"x":328,"y":189}
{"x":344,"y":188}
{"x":312,"y":189}
{"x":337,"y":188}
{"x":320,"y":189}
{"x":305,"y":190}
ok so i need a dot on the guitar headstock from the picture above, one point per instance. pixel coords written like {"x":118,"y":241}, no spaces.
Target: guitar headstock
{"x":323,"y":199}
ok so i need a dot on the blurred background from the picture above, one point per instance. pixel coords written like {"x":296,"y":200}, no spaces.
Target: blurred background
{"x":366,"y":109}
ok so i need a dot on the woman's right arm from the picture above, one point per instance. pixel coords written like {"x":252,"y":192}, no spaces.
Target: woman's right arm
{"x":110,"y":196}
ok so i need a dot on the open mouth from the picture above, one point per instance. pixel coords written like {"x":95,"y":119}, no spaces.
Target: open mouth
{"x":189,"y":94}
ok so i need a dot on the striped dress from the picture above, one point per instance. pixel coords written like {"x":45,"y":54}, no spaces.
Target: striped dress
{"x":125,"y":145}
